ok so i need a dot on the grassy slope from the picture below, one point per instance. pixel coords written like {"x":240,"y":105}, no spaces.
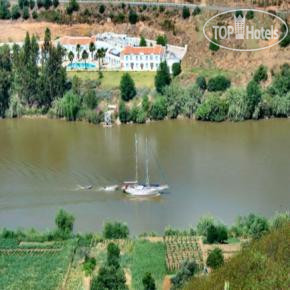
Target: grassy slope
{"x":148,"y":257}
{"x":264,"y":264}
{"x":29,"y":271}
{"x":111,"y":80}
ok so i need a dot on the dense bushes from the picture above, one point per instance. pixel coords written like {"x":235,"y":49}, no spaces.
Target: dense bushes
{"x":115,"y":230}
{"x":219,"y":83}
{"x":215,"y":258}
{"x":213,"y":108}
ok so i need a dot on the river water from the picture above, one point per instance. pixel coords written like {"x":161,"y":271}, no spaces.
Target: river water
{"x":225,"y":169}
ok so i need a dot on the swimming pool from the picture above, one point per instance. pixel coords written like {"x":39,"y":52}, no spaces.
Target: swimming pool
{"x":81,"y":65}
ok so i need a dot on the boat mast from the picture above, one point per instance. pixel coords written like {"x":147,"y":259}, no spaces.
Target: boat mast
{"x":136,"y":151}
{"x":147,"y":164}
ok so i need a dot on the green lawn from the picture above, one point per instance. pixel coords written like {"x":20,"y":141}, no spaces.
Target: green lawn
{"x":34,"y":271}
{"x":148,"y":257}
{"x":111,"y":80}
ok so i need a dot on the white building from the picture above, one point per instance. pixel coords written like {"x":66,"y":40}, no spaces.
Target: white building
{"x":142,"y":58}
{"x":123,"y":52}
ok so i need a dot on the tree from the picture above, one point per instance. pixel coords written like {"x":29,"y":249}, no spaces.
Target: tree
{"x":185,"y":12}
{"x":15,"y":12}
{"x":215,"y":258}
{"x":31,"y":4}
{"x":92,"y":49}
{"x":5,"y":78}
{"x":145,"y":103}
{"x":55,"y":3}
{"x":142,"y":41}
{"x":100,"y":55}
{"x":72,"y":7}
{"x":127,"y":87}
{"x":90,"y":99}
{"x":148,"y":282}
{"x":218,"y":83}
{"x":162,"y":78}
{"x":201,"y":82}
{"x":176,"y":69}
{"x":89,"y":265}
{"x":25,"y":13}
{"x":71,"y":56}
{"x":64,"y":221}
{"x":47,"y":4}
{"x":115,"y":230}
{"x":23,"y":3}
{"x":109,"y":278}
{"x":4,"y":9}
{"x":39,"y":4}
{"x":85,"y":56}
{"x":133,"y":17}
{"x":161,"y":40}
{"x":78,"y":49}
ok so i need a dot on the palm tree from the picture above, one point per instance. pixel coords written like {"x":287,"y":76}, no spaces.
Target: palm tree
{"x":85,"y":56}
{"x":92,"y":48}
{"x":71,"y":56}
{"x":101,"y":53}
{"x":78,"y":50}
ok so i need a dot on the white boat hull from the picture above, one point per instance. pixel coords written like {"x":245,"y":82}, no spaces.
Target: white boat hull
{"x":144,"y":190}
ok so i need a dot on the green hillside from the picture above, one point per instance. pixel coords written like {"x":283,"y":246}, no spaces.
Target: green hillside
{"x":262,"y":264}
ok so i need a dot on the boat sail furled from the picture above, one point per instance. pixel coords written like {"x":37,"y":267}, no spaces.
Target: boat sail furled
{"x":134,"y":188}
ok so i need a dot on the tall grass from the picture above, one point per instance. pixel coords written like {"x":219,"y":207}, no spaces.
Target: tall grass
{"x":148,"y":257}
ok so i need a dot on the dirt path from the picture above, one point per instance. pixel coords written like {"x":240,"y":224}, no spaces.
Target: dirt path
{"x":166,"y":283}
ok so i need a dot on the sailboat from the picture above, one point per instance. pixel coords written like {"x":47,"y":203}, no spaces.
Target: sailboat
{"x":134,"y":188}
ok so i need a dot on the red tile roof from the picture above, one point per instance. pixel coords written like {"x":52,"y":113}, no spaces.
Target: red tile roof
{"x":70,"y":40}
{"x":158,"y":49}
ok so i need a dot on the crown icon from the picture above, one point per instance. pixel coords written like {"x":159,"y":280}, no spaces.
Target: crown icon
{"x":240,"y":26}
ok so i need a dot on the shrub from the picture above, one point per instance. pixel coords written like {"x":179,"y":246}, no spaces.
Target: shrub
{"x":124,"y":115}
{"x":219,"y":83}
{"x":238,"y":109}
{"x":90,"y":99}
{"x":196,"y":11}
{"x":47,"y":4}
{"x":115,"y":230}
{"x":176,"y":69}
{"x":133,"y":17}
{"x":70,"y":105}
{"x":261,"y":74}
{"x":280,"y":105}
{"x":252,"y":225}
{"x":185,"y":12}
{"x":280,"y":219}
{"x":127,"y":87}
{"x":213,"y":45}
{"x":141,"y":116}
{"x":89,"y":265}
{"x":286,"y":41}
{"x":253,"y":96}
{"x":102,"y":8}
{"x":55,"y":3}
{"x":201,"y":82}
{"x":212,"y":108}
{"x":161,"y":40}
{"x":4,"y":9}
{"x":34,"y":14}
{"x":145,"y":103}
{"x":158,"y":109}
{"x":239,"y":13}
{"x":148,"y":282}
{"x":142,"y":41}
{"x":215,"y":258}
{"x":250,"y":15}
{"x":188,"y":270}
{"x":113,"y":255}
{"x":31,"y":4}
